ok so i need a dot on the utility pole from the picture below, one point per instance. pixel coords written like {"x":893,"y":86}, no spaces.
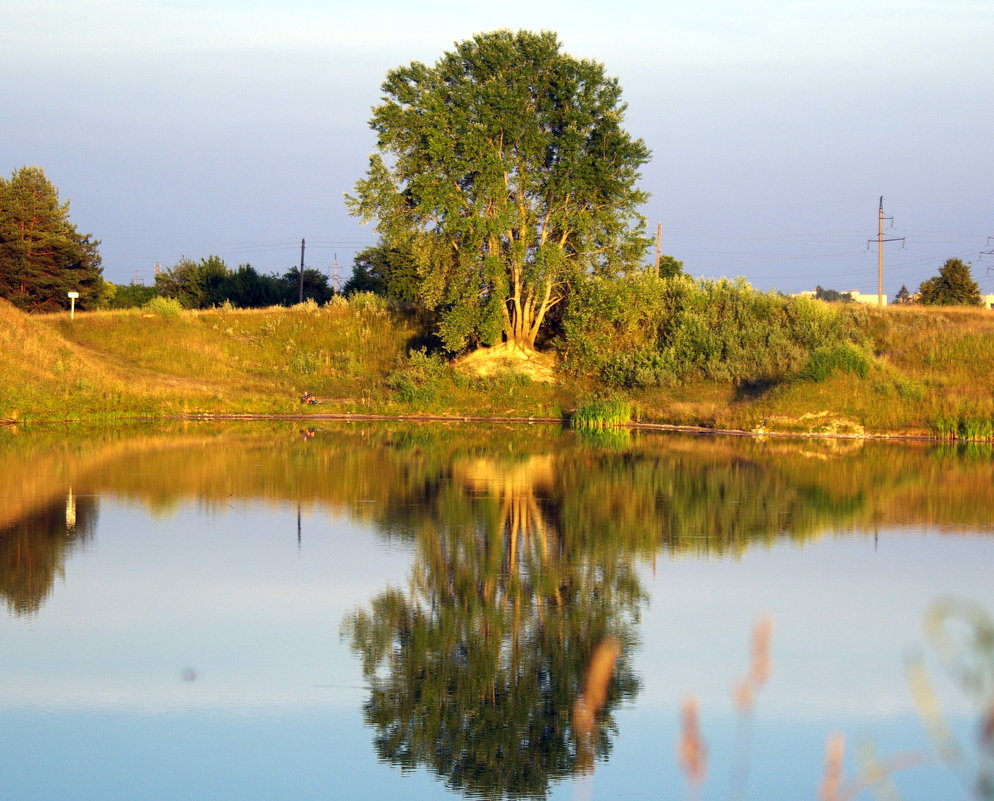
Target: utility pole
{"x":334,"y":274}
{"x":301,"y":299}
{"x":880,"y":249}
{"x":659,"y":246}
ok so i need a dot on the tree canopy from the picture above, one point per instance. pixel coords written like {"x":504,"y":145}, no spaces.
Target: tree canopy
{"x":505,"y":172}
{"x":384,"y":271}
{"x":209,"y":282}
{"x":953,"y":286}
{"x":42,"y":255}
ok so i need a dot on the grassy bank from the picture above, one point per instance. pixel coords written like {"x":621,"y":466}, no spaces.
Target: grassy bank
{"x":900,"y":370}
{"x":354,"y":357}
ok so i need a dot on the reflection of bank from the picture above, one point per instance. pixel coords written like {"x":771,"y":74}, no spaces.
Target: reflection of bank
{"x":474,"y":672}
{"x":33,"y":549}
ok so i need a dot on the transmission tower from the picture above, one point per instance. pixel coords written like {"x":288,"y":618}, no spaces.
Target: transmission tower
{"x":989,"y":252}
{"x":880,"y":249}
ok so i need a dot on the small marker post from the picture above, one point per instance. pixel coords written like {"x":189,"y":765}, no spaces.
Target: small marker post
{"x":72,"y":304}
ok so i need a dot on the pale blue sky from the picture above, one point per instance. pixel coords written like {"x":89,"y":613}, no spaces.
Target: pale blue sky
{"x":191,"y":128}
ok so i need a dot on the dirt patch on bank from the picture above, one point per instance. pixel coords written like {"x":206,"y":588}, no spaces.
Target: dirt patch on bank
{"x":508,"y":357}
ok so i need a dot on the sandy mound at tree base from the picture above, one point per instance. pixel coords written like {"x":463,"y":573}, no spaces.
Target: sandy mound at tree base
{"x":509,"y":357}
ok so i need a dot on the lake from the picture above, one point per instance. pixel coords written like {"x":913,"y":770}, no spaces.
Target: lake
{"x":274,"y":610}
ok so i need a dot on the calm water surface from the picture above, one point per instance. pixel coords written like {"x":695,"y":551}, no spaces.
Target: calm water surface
{"x":407,"y":612}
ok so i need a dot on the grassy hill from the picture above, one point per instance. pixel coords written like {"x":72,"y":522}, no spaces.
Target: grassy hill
{"x":922,"y":371}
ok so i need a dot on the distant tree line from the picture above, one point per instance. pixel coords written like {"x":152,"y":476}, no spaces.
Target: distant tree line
{"x":210,"y":282}
{"x":43,"y":258}
{"x":953,"y":286}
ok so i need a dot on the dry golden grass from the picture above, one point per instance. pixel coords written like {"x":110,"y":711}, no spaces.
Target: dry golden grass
{"x":931,"y":373}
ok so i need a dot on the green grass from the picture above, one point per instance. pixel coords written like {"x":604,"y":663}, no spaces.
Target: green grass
{"x":601,"y":413}
{"x":920,"y":371}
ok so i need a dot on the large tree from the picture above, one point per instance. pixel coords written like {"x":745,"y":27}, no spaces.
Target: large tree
{"x":953,"y":286}
{"x":42,"y":255}
{"x":505,"y":172}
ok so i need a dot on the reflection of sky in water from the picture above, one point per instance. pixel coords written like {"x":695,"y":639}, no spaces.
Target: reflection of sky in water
{"x":229,"y":596}
{"x":97,"y":701}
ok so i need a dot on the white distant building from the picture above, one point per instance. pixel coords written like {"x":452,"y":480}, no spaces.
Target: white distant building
{"x":854,"y":294}
{"x":872,"y":300}
{"x":988,"y":301}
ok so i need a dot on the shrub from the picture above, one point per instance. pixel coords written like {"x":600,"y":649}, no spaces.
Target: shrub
{"x":420,"y":379}
{"x":845,"y":357}
{"x":164,"y":307}
{"x":646,"y":331}
{"x":308,"y":306}
{"x":368,"y":303}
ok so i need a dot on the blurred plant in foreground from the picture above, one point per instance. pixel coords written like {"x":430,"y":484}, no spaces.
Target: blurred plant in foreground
{"x":692,"y":750}
{"x":961,"y":633}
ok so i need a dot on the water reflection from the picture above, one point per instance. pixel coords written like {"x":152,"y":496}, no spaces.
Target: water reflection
{"x":33,"y":549}
{"x":474,"y":671}
{"x":503,"y":663}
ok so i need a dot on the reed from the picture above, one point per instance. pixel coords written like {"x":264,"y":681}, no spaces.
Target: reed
{"x":601,"y":413}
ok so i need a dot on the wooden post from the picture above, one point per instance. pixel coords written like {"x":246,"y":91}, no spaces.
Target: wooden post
{"x":301,"y":296}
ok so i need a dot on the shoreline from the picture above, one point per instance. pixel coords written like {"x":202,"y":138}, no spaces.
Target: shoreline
{"x":442,"y":418}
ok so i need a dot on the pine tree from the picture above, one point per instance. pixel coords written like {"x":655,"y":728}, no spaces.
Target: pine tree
{"x":953,"y":286}
{"x":42,"y":255}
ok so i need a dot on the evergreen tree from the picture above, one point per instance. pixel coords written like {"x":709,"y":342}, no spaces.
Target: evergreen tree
{"x":903,"y":296}
{"x":42,"y":255}
{"x":953,"y":286}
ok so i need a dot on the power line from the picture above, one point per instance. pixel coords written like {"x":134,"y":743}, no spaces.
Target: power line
{"x":880,"y":249}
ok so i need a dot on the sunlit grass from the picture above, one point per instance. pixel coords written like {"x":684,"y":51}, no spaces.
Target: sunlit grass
{"x":928,"y":372}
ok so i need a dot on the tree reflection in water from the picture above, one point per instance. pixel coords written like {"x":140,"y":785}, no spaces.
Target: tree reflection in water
{"x":475,"y":670}
{"x":33,"y":550}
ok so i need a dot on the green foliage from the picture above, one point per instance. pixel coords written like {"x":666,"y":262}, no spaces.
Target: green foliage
{"x":420,"y":379}
{"x":245,"y":288}
{"x":128,"y":296}
{"x":368,"y":303}
{"x":643,"y":331}
{"x":832,"y":295}
{"x":209,"y":282}
{"x":976,"y":429}
{"x":315,"y":286}
{"x":953,"y":286}
{"x":504,"y":172}
{"x":845,"y":357}
{"x":384,"y":271}
{"x":669,"y":266}
{"x":164,"y":307}
{"x":194,"y":285}
{"x":42,"y":255}
{"x":968,"y":427}
{"x":601,"y":413}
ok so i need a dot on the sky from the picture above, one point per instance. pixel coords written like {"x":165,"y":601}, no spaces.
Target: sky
{"x":235,"y":128}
